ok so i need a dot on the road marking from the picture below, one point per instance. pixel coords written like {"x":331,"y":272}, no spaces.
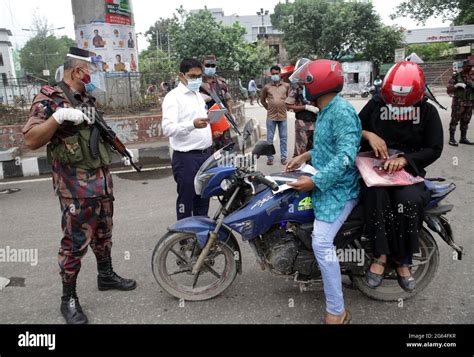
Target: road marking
{"x":113,"y":173}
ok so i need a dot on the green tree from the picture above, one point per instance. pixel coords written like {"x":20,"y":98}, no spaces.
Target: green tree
{"x":199,"y":34}
{"x":460,"y":12}
{"x":41,"y":53}
{"x":317,"y":28}
{"x":432,"y":51}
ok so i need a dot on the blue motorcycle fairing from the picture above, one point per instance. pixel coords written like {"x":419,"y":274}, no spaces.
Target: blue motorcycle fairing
{"x":213,"y":188}
{"x":200,"y":226}
{"x":264,"y":210}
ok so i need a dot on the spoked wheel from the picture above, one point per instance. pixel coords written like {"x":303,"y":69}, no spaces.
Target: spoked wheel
{"x":173,"y":260}
{"x":425,"y":265}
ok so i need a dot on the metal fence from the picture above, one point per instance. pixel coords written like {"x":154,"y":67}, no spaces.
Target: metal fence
{"x":126,"y":93}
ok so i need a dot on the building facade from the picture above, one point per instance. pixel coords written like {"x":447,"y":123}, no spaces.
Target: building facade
{"x":7,"y":68}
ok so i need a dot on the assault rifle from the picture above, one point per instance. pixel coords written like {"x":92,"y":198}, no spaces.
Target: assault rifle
{"x":99,"y":128}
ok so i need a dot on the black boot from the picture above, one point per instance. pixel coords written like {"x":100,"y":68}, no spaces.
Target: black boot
{"x":70,"y":307}
{"x":109,"y":280}
{"x":464,"y":139}
{"x":452,"y":140}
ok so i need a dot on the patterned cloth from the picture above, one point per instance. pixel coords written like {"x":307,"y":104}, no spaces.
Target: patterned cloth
{"x":84,"y":222}
{"x":463,"y":100}
{"x":336,"y":143}
{"x":219,"y":86}
{"x":70,"y":182}
{"x":304,"y":130}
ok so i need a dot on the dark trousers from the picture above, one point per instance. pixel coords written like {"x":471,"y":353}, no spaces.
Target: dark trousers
{"x":185,"y":166}
{"x":394,"y":218}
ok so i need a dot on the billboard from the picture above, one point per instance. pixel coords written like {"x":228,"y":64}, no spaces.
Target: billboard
{"x":440,"y":34}
{"x":115,"y":43}
{"x":118,"y":12}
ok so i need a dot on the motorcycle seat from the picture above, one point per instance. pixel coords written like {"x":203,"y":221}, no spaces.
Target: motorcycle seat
{"x":439,"y":189}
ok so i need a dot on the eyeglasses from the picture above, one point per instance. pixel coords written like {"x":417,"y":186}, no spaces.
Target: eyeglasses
{"x":208,"y":65}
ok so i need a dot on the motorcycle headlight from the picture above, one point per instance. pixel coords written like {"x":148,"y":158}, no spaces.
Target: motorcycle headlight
{"x":226,"y":184}
{"x":200,"y":181}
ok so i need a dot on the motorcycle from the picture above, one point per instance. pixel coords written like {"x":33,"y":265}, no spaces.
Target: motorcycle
{"x":199,"y":257}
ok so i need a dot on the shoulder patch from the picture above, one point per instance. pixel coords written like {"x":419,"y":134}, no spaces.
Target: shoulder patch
{"x":49,"y":90}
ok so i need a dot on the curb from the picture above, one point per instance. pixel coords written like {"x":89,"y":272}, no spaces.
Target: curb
{"x":36,"y":166}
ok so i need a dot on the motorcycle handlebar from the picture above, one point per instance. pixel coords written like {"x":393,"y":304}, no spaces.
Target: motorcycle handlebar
{"x":260,"y":178}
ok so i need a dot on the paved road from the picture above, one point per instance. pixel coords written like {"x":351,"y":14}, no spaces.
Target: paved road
{"x":144,"y":208}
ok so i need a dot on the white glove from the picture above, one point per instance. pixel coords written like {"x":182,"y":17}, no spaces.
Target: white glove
{"x":70,"y":114}
{"x":311,"y":108}
{"x":126,"y":160}
{"x":460,"y":85}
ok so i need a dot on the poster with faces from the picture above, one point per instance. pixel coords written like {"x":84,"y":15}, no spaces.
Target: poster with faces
{"x":115,"y":43}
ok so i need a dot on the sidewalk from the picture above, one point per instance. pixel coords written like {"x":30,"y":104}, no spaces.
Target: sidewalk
{"x":35,"y":163}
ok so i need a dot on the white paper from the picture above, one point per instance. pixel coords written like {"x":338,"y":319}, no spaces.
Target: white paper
{"x":307,"y":169}
{"x":216,"y":115}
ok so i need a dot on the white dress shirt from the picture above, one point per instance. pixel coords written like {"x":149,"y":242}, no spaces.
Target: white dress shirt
{"x":180,"y":107}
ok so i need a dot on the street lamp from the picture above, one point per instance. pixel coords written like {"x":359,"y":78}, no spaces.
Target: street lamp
{"x":262,"y":13}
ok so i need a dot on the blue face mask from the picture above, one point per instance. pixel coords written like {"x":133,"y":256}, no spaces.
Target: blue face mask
{"x":93,"y":84}
{"x":194,"y":84}
{"x":275,"y":77}
{"x":210,"y":71}
{"x":303,"y":93}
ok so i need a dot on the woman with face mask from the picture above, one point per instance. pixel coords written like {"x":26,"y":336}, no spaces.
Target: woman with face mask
{"x":399,"y":118}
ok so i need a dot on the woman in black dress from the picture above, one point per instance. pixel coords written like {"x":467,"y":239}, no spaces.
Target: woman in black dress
{"x":400,"y":119}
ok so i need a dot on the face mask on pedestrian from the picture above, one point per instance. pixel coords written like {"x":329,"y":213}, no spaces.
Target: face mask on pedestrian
{"x":194,"y":84}
{"x":210,"y":71}
{"x":275,"y":77}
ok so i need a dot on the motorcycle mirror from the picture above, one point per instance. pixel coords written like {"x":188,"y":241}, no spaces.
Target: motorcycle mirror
{"x":263,"y":148}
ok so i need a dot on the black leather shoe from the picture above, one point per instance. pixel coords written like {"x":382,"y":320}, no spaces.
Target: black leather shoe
{"x":464,"y":140}
{"x":407,"y":283}
{"x":109,"y":280}
{"x":70,"y":307}
{"x":372,"y":279}
{"x":452,"y":140}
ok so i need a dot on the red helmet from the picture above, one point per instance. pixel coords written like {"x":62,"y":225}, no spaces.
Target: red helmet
{"x":319,"y":77}
{"x":404,"y":85}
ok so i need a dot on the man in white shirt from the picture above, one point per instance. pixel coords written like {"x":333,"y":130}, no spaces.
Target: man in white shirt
{"x":185,"y":122}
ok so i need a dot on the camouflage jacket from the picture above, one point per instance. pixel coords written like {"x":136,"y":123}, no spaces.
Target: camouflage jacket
{"x":68,"y":182}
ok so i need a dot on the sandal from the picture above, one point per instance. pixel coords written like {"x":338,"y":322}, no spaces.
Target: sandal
{"x":345,"y":321}
{"x":372,"y":279}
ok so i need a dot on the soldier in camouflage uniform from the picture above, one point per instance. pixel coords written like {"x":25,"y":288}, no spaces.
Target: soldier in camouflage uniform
{"x":84,"y":184}
{"x":305,"y":117}
{"x":212,"y":82}
{"x":460,"y":87}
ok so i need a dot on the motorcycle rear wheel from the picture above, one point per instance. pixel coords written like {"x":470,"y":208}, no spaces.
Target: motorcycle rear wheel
{"x":173,"y":258}
{"x":424,"y":273}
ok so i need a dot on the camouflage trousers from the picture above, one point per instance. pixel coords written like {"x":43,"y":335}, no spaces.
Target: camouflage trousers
{"x":304,"y":132}
{"x":460,"y":114}
{"x":85,"y":221}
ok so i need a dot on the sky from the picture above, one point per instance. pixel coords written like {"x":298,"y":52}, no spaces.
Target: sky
{"x":18,"y":14}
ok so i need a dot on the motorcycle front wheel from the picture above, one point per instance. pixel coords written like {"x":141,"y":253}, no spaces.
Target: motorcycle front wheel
{"x":172,"y":262}
{"x":425,"y":265}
